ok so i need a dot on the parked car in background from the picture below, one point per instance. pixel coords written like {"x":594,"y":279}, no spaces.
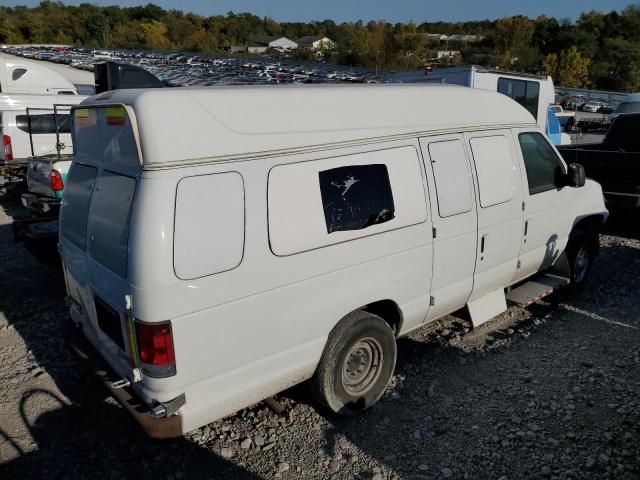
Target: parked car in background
{"x":629,"y":104}
{"x":591,"y":106}
{"x":574,"y":103}
{"x":609,"y":107}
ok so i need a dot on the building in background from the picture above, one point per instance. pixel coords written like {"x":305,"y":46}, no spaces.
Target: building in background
{"x":316,"y":43}
{"x":281,"y":44}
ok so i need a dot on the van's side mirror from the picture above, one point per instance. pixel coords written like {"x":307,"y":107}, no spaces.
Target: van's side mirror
{"x":575,"y":175}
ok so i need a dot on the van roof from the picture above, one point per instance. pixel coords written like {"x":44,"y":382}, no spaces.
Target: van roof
{"x":192,"y":124}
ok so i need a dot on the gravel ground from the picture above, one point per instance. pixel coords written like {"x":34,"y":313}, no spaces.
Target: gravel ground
{"x":550,"y":392}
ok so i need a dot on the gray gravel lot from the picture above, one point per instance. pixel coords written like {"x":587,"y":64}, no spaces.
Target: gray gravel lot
{"x":550,"y":392}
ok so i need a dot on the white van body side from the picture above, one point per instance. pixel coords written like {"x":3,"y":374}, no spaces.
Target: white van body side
{"x":221,"y":207}
{"x":20,"y":76}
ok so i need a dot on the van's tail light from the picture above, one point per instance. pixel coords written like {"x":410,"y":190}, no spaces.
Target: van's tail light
{"x":7,"y":151}
{"x":155,"y":349}
{"x":57,"y":184}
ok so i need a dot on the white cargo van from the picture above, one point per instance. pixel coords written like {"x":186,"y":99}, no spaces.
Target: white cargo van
{"x":223,"y":244}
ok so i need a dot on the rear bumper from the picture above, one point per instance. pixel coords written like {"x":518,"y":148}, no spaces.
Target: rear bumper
{"x":167,"y":427}
{"x":40,"y":204}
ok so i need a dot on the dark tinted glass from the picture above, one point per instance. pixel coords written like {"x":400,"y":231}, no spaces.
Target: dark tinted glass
{"x":525,"y":93}
{"x":356,"y":197}
{"x":541,"y":162}
{"x":532,"y":97}
{"x":17,"y":73}
{"x":44,"y":123}
{"x":76,"y":200}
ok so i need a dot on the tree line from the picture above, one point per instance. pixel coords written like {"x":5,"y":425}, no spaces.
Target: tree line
{"x":598,"y":50}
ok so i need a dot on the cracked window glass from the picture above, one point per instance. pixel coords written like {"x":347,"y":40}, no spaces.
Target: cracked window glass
{"x":356,"y":197}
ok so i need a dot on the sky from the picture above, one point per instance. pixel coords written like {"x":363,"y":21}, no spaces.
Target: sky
{"x":390,"y":10}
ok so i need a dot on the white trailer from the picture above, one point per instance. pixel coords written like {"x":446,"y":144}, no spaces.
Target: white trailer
{"x":27,"y":85}
{"x":534,"y":92}
{"x":223,"y":244}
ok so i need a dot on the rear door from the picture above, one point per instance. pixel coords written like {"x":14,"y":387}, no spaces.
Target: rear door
{"x":499,"y":198}
{"x":94,"y":226}
{"x":454,"y":221}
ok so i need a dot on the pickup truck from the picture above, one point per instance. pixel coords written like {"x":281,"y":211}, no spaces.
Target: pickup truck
{"x":46,"y":176}
{"x":614,"y":163}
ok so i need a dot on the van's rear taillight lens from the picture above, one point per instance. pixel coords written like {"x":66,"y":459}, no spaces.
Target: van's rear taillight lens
{"x":7,"y":151}
{"x":155,"y":349}
{"x":57,"y":185}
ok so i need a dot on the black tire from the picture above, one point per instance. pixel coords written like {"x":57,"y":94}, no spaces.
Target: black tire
{"x":582,"y":250}
{"x":357,"y":364}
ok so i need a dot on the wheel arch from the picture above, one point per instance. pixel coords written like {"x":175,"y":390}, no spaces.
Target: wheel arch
{"x":389,"y":311}
{"x":589,"y":223}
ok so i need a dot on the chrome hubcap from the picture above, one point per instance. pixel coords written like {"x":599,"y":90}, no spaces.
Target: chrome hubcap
{"x":361,"y":366}
{"x":581,"y":264}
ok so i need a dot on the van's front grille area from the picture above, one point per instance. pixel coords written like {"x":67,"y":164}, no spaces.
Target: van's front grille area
{"x":109,"y":322}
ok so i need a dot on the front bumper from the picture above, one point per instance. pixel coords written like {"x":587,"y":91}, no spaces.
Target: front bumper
{"x":166,"y":427}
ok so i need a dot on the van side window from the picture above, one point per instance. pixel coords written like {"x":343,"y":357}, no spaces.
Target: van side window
{"x":356,"y":197}
{"x":495,"y":169}
{"x":451,"y":174}
{"x":541,"y":163}
{"x":526,"y":93}
{"x":77,"y":197}
{"x":209,"y":225}
{"x":318,"y":203}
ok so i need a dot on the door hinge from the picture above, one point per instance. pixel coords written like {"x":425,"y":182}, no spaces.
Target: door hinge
{"x":432,"y":301}
{"x":435,"y":232}
{"x":128,"y":302}
{"x":519,"y":264}
{"x":523,"y":206}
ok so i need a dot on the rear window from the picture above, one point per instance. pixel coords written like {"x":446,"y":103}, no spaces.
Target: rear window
{"x":104,"y":135}
{"x":44,"y":123}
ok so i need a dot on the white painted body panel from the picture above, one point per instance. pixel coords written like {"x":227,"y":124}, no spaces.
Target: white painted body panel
{"x":246,"y":333}
{"x":22,"y":76}
{"x":483,"y":79}
{"x":12,"y":105}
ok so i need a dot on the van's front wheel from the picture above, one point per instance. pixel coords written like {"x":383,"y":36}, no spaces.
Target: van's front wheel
{"x":582,"y":250}
{"x":357,"y":364}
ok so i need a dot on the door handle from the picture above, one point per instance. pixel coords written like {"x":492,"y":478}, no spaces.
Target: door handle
{"x":482,"y":243}
{"x":526,"y":228}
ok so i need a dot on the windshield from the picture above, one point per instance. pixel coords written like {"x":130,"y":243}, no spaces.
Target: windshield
{"x":628,"y":107}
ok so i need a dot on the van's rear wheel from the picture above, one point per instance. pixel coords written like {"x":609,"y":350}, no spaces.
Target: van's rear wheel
{"x":357,"y":364}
